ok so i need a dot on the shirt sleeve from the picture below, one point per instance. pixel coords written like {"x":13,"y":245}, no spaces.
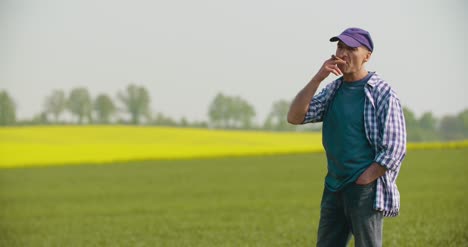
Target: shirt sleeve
{"x":318,"y":105}
{"x":392,"y":144}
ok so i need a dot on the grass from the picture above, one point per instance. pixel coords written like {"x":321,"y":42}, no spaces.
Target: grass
{"x":245,"y":201}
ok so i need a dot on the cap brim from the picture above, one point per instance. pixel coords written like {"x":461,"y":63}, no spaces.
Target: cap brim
{"x":349,"y":41}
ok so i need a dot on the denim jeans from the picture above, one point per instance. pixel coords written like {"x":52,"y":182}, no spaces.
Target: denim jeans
{"x":350,"y":212}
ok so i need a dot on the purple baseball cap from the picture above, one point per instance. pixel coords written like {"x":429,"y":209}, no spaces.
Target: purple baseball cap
{"x":355,"y":37}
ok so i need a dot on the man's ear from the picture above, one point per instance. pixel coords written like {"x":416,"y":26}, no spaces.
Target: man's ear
{"x":368,"y":56}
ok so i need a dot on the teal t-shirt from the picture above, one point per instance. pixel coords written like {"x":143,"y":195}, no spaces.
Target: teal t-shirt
{"x":348,"y":151}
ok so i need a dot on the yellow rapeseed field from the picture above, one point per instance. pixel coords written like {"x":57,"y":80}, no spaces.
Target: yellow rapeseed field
{"x":58,"y":145}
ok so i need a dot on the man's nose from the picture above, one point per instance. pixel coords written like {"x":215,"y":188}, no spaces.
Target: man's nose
{"x":341,"y":54}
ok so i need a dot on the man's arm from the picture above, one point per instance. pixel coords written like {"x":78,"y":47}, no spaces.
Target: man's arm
{"x":300,"y":104}
{"x":392,"y":148}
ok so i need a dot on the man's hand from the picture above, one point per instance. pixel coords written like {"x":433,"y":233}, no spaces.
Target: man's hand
{"x":373,"y":172}
{"x":330,"y":66}
{"x":300,"y":104}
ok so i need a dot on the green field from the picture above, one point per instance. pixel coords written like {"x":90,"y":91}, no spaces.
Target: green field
{"x":252,"y":201}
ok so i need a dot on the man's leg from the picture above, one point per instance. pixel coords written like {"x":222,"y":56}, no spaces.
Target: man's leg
{"x":333,"y":229}
{"x":366,"y":223}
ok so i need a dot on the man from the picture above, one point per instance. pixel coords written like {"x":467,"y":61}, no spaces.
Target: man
{"x":364,"y":136}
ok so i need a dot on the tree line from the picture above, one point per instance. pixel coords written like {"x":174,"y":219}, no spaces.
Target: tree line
{"x":132,"y":106}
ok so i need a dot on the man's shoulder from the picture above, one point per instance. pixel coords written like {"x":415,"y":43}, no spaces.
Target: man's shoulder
{"x":332,"y":87}
{"x":381,"y":87}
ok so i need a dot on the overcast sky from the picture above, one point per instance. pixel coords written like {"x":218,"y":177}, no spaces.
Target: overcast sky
{"x":185,"y":52}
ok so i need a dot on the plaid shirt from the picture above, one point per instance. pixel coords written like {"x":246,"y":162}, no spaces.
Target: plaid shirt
{"x":385,"y":129}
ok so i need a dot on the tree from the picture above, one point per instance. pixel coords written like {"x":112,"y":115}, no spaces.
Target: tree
{"x":7,"y":109}
{"x":463,"y":119}
{"x":56,"y":104}
{"x":412,"y":125}
{"x":104,"y":108}
{"x":40,"y":118}
{"x":218,"y":111}
{"x":276,"y":119}
{"x":231,"y":112}
{"x":184,"y":122}
{"x":451,"y":128}
{"x":428,"y":121}
{"x":160,"y":119}
{"x":199,"y":124}
{"x":427,"y":126}
{"x":244,"y":113}
{"x":136,"y":100}
{"x":79,"y":104}
{"x":410,"y":118}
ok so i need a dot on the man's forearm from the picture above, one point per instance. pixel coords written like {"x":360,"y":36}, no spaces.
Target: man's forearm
{"x":300,"y":104}
{"x":373,"y":172}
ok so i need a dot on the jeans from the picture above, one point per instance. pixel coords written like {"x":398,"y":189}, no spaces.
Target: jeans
{"x":350,"y":211}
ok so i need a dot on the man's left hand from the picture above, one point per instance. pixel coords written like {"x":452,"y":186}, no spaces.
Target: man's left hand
{"x":373,"y":172}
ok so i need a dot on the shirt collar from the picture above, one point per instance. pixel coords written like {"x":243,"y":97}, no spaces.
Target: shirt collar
{"x":373,"y":79}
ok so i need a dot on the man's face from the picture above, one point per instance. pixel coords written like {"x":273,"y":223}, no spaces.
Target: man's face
{"x":354,"y":57}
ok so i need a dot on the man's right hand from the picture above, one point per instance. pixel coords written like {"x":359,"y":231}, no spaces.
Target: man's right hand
{"x":300,"y":104}
{"x":329,"y":66}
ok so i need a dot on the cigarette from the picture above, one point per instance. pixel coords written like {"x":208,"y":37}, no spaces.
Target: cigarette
{"x":336,"y":58}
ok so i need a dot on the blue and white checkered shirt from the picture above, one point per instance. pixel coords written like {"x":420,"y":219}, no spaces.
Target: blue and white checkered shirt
{"x":384,"y":124}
